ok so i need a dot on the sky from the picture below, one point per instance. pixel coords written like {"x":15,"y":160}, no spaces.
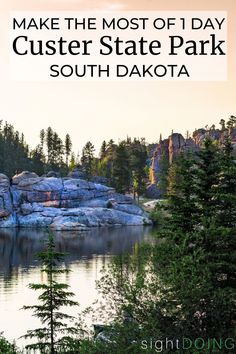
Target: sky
{"x":98,"y":111}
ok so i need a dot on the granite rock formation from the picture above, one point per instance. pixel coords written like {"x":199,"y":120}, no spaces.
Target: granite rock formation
{"x":176,"y":143}
{"x":64,"y":204}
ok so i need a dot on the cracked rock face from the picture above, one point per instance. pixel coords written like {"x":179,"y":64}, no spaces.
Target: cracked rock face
{"x":6,"y":208}
{"x":176,"y":143}
{"x":64,"y":204}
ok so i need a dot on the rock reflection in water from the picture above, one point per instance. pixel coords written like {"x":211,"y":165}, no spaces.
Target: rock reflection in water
{"x":18,"y":248}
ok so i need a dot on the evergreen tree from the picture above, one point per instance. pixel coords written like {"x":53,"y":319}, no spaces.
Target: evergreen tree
{"x":73,"y":163}
{"x":184,"y":286}
{"x":111,"y":146}
{"x":14,"y":152}
{"x":226,"y":191}
{"x":68,"y":147}
{"x":138,"y":163}
{"x":103,"y":150}
{"x":87,"y":159}
{"x":106,"y":162}
{"x":207,"y":169}
{"x":57,"y":151}
{"x":42,"y":137}
{"x":38,"y":160}
{"x":121,"y":175}
{"x":200,"y":265}
{"x":49,"y":145}
{"x":6,"y":347}
{"x":181,"y":204}
{"x":163,"y":174}
{"x":54,"y":295}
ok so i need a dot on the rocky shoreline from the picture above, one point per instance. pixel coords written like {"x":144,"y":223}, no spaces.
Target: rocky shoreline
{"x":29,"y":201}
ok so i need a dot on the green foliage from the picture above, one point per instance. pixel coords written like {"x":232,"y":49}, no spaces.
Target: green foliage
{"x":163,"y":174}
{"x":56,"y":331}
{"x":73,"y":163}
{"x":68,"y":147}
{"x":103,"y":149}
{"x":181,"y":205}
{"x":6,"y":347}
{"x":87,"y":159}
{"x":15,"y":155}
{"x":184,"y":284}
{"x":138,"y":162}
{"x":159,"y":216}
{"x":121,"y":176}
{"x":13,"y":150}
{"x":55,"y":149}
{"x":38,"y":160}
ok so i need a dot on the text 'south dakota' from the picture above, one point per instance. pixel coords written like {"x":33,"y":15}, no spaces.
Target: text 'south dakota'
{"x":120,"y":71}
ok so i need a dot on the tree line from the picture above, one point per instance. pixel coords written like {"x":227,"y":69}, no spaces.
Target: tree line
{"x":122,"y":165}
{"x":52,"y":153}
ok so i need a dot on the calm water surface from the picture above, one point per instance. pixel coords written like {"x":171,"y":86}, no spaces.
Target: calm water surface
{"x":87,"y":255}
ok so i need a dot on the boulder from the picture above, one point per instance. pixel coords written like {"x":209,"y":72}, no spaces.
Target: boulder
{"x":23,"y":175}
{"x":76,"y":173}
{"x":129,"y":209}
{"x":53,"y":174}
{"x":64,"y":204}
{"x":26,"y":208}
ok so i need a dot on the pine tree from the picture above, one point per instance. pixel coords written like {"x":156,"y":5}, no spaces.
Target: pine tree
{"x":103,"y":150}
{"x":111,"y":146}
{"x":57,"y":151}
{"x":200,"y":265}
{"x":121,"y":175}
{"x":42,"y":137}
{"x":87,"y":159}
{"x":68,"y":147}
{"x":181,"y":200}
{"x":106,"y":160}
{"x":38,"y":160}
{"x":138,"y":163}
{"x":207,"y":169}
{"x":54,"y":295}
{"x":163,"y":174}
{"x":49,"y":145}
{"x":14,"y":152}
{"x":73,"y":163}
{"x":226,"y":192}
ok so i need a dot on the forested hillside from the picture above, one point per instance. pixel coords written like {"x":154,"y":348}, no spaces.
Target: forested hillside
{"x":131,"y":165}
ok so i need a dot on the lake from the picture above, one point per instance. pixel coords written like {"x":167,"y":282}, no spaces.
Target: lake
{"x":88,"y":253}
